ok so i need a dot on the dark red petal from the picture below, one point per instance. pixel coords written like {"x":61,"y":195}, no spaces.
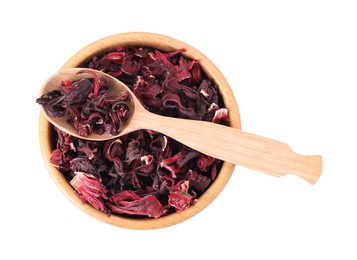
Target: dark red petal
{"x":182,"y":70}
{"x":221,"y":115}
{"x":198,"y":181}
{"x":95,"y":82}
{"x":204,"y":161}
{"x":130,"y":66}
{"x":90,"y":190}
{"x":171,"y":100}
{"x":196,"y":73}
{"x":56,"y":158}
{"x":66,"y":83}
{"x":179,"y":198}
{"x":116,"y":56}
{"x":171,"y":160}
{"x":127,"y":202}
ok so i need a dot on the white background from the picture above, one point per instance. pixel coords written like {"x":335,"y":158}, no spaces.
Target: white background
{"x":293,"y":68}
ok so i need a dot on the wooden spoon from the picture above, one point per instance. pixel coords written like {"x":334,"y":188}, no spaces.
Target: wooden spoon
{"x":222,"y":142}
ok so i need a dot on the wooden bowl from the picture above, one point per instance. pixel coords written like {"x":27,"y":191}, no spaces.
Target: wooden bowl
{"x":164,"y":43}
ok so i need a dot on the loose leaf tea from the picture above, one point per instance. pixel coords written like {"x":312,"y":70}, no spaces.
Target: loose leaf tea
{"x":88,"y":105}
{"x":144,"y":173}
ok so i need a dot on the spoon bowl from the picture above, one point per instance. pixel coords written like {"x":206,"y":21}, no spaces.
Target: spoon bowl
{"x":75,"y":74}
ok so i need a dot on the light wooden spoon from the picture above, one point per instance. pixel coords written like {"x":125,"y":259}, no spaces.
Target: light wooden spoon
{"x":222,"y":142}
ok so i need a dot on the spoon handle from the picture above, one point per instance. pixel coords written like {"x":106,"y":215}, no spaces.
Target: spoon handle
{"x":238,"y":147}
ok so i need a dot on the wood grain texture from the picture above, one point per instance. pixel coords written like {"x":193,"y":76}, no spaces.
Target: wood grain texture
{"x":233,"y":145}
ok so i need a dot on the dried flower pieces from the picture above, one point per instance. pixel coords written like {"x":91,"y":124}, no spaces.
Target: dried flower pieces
{"x":88,"y":105}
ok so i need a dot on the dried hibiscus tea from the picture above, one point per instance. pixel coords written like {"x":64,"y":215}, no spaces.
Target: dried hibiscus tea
{"x":143,"y":173}
{"x":88,"y":105}
{"x":90,"y":190}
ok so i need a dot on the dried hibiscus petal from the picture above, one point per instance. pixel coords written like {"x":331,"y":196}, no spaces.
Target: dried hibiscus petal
{"x":128,"y":202}
{"x":204,"y":161}
{"x":90,"y":190}
{"x":221,"y":115}
{"x":77,"y":92}
{"x":57,"y":159}
{"x":179,"y":197}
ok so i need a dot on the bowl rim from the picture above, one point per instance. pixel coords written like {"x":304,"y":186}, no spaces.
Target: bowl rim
{"x":165,"y":43}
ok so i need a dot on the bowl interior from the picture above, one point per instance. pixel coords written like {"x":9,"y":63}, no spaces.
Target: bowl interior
{"x":164,"y":43}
